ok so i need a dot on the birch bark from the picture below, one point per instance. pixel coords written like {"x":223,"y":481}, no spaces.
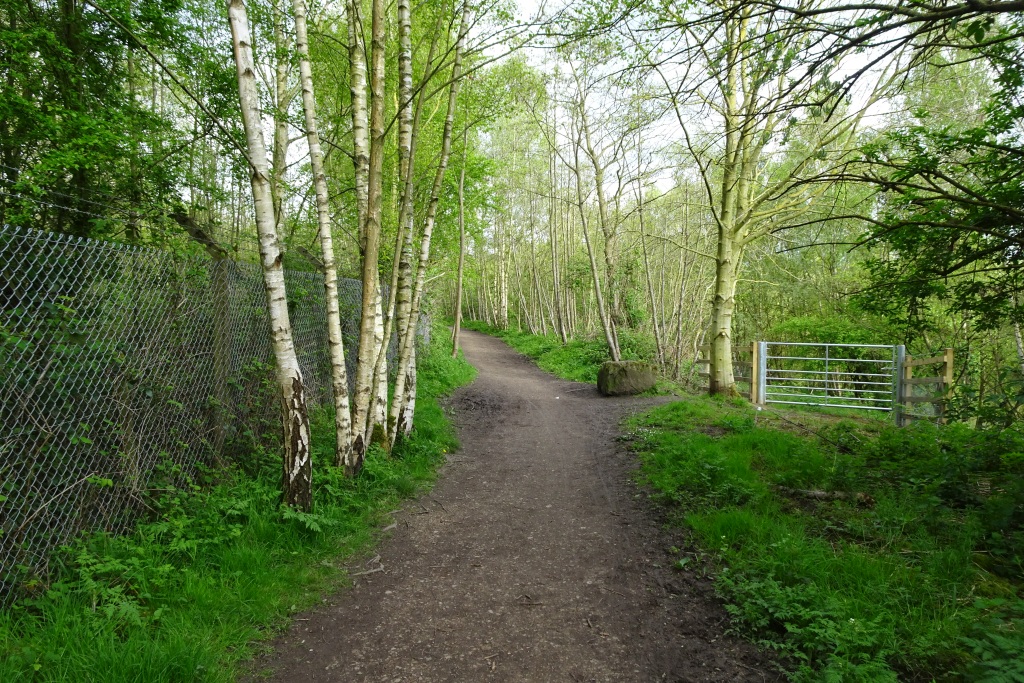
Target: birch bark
{"x":401,"y":417}
{"x":553,"y":243}
{"x":357,"y":91}
{"x":282,"y":101}
{"x":339,"y":376}
{"x":297,"y":465}
{"x":368,"y":345}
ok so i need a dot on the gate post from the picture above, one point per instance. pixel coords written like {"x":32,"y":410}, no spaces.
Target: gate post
{"x":762,"y":371}
{"x":754,"y":366}
{"x":897,"y":382}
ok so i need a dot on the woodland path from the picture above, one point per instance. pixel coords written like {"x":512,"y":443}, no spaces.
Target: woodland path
{"x":532,"y":560}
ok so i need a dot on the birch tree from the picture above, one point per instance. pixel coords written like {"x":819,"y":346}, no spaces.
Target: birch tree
{"x":297,"y":464}
{"x":400,"y":416}
{"x":339,"y":376}
{"x":370,"y":238}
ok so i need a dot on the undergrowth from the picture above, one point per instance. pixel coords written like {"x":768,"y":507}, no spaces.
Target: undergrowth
{"x":218,"y":565}
{"x":908,"y":567}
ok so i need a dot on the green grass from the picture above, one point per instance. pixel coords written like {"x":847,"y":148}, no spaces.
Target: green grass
{"x":920,"y":582}
{"x":217,"y":569}
{"x":579,"y":359}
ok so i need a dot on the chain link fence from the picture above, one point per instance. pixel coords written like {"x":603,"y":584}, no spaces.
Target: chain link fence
{"x":119,"y":363}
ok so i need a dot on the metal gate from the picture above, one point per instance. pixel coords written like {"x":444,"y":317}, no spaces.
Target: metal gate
{"x":865,"y":376}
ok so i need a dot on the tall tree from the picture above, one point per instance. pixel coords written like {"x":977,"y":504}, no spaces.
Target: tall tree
{"x":774,"y":140}
{"x":297,"y":463}
{"x":339,"y":376}
{"x":400,"y":417}
{"x":368,"y":342}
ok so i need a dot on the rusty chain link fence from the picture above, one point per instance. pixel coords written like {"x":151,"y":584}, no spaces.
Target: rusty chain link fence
{"x":120,"y":363}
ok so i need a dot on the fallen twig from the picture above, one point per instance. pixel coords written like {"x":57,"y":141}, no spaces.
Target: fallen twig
{"x":378,"y":568}
{"x":528,"y":601}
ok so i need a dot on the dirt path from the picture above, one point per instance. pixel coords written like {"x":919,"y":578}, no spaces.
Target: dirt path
{"x":532,"y":560}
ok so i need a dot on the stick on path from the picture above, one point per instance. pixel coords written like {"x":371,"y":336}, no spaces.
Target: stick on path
{"x":532,"y":560}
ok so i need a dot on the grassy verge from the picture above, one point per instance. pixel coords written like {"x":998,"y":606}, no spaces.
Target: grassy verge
{"x":217,"y":568}
{"x":908,"y":567}
{"x":580,"y":359}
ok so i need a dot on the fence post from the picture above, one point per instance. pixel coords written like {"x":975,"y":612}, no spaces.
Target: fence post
{"x":898,"y":388}
{"x":754,"y":372}
{"x":947,"y":384}
{"x":762,"y":372}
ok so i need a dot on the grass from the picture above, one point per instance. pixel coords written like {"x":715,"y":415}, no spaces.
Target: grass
{"x":218,"y":568}
{"x":579,"y":359}
{"x":919,"y":579}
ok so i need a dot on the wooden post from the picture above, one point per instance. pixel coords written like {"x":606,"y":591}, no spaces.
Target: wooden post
{"x":947,"y":384}
{"x":905,"y":390}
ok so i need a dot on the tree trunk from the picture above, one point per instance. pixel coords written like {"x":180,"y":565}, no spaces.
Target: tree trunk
{"x":553,"y":242}
{"x":502,"y":273}
{"x":462,"y":248}
{"x":339,"y":375}
{"x":368,"y":349}
{"x":407,"y":338}
{"x":405,"y":417}
{"x":722,"y":380}
{"x":282,"y":100}
{"x":659,"y":344}
{"x":400,"y":296}
{"x":357,"y":90}
{"x":606,"y":322}
{"x":297,"y":465}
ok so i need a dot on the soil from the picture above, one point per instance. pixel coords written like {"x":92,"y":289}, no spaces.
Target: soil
{"x":535,"y":558}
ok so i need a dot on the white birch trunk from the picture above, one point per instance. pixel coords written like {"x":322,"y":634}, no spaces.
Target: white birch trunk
{"x":377,"y":428}
{"x":357,"y":90}
{"x":297,"y":465}
{"x":339,"y":376}
{"x":398,"y":298}
{"x":553,"y":243}
{"x":408,"y":338}
{"x":658,"y":341}
{"x":368,"y":348}
{"x":606,"y":322}
{"x":405,"y":419}
{"x":282,"y":100}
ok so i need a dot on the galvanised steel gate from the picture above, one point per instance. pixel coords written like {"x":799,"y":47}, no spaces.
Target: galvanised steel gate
{"x":865,"y":376}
